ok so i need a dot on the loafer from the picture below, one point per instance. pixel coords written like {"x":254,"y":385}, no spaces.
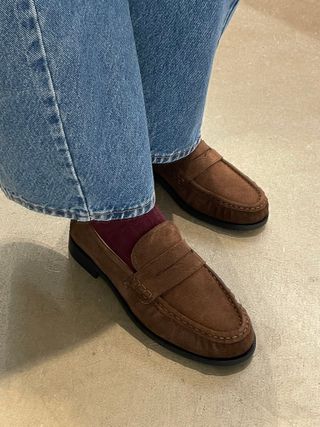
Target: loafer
{"x":171,"y":294}
{"x":213,"y":190}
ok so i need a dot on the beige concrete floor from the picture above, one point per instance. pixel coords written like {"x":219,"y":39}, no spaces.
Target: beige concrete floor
{"x":69,"y":356}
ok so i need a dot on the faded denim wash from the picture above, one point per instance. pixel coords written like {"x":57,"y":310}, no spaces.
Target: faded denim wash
{"x":93,"y":92}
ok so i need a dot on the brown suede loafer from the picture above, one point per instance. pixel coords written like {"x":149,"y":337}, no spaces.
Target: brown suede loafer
{"x":173,"y":296}
{"x":210,"y":188}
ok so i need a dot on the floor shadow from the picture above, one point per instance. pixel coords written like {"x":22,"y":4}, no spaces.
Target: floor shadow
{"x":49,"y":304}
{"x":303,"y":15}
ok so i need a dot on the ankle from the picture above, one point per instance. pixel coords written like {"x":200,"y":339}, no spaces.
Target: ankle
{"x":122,"y":234}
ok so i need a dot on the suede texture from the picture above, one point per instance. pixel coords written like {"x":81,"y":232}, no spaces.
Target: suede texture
{"x":173,"y":292}
{"x":214,"y":187}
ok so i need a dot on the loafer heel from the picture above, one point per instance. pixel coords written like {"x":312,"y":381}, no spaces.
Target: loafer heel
{"x":82,"y":258}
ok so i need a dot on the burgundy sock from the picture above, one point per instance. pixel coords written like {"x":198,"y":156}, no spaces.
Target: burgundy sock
{"x":122,"y":234}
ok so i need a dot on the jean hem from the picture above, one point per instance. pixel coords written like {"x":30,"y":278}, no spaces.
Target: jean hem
{"x":81,"y":214}
{"x":175,"y":155}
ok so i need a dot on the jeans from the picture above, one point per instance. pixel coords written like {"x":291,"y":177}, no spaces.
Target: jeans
{"x":93,"y":92}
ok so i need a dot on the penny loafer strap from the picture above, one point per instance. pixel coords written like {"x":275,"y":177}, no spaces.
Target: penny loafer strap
{"x":195,"y":166}
{"x":168,"y":270}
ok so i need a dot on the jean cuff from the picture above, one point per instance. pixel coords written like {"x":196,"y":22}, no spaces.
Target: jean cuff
{"x":175,"y":155}
{"x":81,"y":214}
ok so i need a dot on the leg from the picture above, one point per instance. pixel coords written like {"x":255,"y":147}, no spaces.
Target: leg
{"x":176,"y":42}
{"x":74,"y":142}
{"x":71,"y":106}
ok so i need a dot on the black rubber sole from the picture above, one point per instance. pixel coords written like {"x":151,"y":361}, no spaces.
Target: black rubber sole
{"x":204,"y":217}
{"x":88,"y":264}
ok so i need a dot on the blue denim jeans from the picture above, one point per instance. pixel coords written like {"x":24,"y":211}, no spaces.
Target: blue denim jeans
{"x":93,"y":92}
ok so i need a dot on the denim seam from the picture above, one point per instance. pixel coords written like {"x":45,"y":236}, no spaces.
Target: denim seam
{"x":175,"y":155}
{"x":41,"y":64}
{"x":82,"y":214}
